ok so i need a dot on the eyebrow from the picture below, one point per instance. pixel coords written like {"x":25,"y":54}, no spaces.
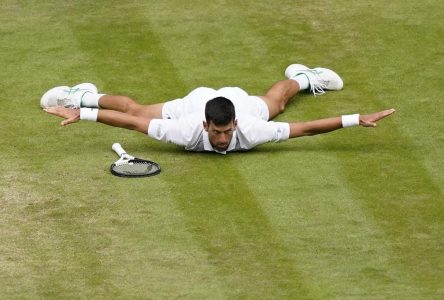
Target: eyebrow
{"x":223,"y":131}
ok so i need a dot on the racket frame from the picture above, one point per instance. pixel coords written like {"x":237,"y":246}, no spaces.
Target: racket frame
{"x":125,"y":158}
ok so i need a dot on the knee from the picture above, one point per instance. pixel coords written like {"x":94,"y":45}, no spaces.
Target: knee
{"x":282,"y":105}
{"x":129,"y":105}
{"x":278,"y":101}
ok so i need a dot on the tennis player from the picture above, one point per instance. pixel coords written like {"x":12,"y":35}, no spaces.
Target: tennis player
{"x":206,"y":119}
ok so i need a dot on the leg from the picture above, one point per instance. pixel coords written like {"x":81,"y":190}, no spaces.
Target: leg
{"x":278,"y":95}
{"x":127,"y":105}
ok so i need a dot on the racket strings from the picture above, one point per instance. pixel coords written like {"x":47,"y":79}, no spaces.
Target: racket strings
{"x":135,"y":168}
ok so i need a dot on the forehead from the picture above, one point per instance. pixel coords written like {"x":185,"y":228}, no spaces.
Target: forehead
{"x":225,"y":127}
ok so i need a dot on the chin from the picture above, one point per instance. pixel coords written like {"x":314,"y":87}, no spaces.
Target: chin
{"x":221,"y":148}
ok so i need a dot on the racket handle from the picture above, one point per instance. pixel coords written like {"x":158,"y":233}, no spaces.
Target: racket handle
{"x":118,"y":149}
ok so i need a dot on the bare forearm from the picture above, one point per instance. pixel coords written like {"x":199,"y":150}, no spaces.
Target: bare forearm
{"x":331,"y":124}
{"x":105,"y":116}
{"x":315,"y":127}
{"x":123,"y":120}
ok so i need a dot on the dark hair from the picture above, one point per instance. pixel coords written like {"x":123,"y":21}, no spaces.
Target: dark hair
{"x":220,"y":111}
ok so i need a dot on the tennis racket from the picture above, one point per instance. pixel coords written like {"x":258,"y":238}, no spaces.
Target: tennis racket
{"x":130,"y":166}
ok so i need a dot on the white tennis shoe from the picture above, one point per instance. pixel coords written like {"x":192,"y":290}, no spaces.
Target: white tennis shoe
{"x":320,"y":79}
{"x":70,"y":97}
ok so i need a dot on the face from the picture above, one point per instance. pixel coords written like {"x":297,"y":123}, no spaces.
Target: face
{"x":220,"y":136}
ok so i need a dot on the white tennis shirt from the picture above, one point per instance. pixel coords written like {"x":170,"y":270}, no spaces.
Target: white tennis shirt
{"x":182,"y":121}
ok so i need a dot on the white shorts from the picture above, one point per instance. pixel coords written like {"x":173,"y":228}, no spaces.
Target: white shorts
{"x":195,"y":102}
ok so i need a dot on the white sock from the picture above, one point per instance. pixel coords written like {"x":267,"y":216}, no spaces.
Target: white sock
{"x":302,"y":80}
{"x":90,"y":99}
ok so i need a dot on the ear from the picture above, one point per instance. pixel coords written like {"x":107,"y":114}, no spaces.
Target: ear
{"x":205,"y":125}
{"x":235,"y":124}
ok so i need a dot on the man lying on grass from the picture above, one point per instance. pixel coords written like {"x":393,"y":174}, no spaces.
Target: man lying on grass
{"x":221,"y":120}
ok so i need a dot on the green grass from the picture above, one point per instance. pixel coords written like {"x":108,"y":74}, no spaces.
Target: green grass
{"x":355,"y":214}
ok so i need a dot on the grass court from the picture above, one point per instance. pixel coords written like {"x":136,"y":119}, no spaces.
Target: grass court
{"x":353,"y":214}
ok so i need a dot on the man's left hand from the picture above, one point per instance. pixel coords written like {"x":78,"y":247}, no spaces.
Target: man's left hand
{"x":371,"y":119}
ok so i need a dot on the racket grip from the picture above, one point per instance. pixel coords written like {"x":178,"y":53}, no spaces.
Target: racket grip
{"x":118,"y":149}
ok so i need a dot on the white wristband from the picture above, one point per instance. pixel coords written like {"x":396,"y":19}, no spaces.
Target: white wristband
{"x":89,"y":114}
{"x":350,"y":120}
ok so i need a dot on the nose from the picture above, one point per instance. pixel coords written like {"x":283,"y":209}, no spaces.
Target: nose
{"x":223,"y":139}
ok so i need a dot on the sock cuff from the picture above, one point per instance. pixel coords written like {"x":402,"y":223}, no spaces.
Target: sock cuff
{"x":302,"y":80}
{"x":90,"y":99}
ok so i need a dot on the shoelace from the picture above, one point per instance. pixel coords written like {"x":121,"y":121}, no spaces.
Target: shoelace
{"x":317,"y":84}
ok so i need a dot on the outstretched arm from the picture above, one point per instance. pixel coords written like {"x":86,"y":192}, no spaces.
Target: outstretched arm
{"x":108,"y":117}
{"x":331,"y":124}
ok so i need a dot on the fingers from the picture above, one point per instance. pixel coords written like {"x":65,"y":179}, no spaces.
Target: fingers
{"x":57,"y":111}
{"x":50,"y":110}
{"x":371,"y":119}
{"x":68,"y":114}
{"x":382,"y":114}
{"x":385,"y":113}
{"x":368,"y":124}
{"x":66,"y":122}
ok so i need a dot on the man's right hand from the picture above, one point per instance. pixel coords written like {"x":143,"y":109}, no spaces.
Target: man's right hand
{"x":68,"y":114}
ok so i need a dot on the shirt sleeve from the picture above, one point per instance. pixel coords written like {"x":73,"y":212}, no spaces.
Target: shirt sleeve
{"x":254,"y":131}
{"x":180,"y":132}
